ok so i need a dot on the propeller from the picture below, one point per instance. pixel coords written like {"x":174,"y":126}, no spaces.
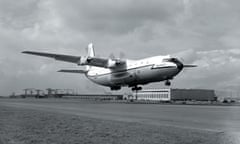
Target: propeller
{"x":112,"y":56}
{"x":121,"y":56}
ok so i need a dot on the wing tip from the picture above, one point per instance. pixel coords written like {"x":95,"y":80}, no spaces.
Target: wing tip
{"x":24,"y":52}
{"x":27,"y":52}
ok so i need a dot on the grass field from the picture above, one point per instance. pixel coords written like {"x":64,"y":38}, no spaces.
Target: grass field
{"x":25,"y":126}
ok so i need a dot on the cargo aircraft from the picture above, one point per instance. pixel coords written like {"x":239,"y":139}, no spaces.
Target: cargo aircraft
{"x":116,"y":73}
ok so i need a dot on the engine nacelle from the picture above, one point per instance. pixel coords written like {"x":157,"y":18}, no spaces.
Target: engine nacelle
{"x":83,"y":60}
{"x":111,"y":63}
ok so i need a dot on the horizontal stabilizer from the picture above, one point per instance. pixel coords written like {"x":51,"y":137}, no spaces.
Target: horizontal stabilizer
{"x":189,"y":66}
{"x":73,"y":71}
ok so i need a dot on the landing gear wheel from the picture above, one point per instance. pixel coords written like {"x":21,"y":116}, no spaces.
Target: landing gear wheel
{"x":136,"y":88}
{"x":115,"y":88}
{"x":167,"y":83}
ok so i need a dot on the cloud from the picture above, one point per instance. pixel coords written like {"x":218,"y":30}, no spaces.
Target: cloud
{"x":114,"y":17}
{"x":17,"y":15}
{"x":216,"y":69}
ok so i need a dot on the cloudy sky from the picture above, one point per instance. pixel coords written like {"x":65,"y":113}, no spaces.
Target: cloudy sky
{"x":203,"y":32}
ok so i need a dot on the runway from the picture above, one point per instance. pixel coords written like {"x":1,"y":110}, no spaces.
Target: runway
{"x":219,"y":119}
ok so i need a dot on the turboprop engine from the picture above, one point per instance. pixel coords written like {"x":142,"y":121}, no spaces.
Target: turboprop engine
{"x":111,"y":63}
{"x":83,"y":60}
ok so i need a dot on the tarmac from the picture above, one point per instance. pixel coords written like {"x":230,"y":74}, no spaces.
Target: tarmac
{"x":220,"y":119}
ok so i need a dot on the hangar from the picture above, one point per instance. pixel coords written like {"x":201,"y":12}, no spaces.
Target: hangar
{"x":153,"y":94}
{"x":175,"y":95}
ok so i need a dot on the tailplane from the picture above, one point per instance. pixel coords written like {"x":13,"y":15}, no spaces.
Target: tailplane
{"x":73,"y":71}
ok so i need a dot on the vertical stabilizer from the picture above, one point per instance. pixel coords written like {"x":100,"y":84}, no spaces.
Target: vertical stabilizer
{"x":91,"y":53}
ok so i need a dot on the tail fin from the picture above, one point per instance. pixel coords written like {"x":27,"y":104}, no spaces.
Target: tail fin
{"x":91,"y":53}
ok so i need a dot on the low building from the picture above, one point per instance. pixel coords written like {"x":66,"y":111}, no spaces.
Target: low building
{"x":94,"y":96}
{"x":193,"y":95}
{"x":153,"y":94}
{"x":175,"y":95}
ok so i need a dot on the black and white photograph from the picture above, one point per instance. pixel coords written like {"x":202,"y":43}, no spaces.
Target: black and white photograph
{"x":119,"y":72}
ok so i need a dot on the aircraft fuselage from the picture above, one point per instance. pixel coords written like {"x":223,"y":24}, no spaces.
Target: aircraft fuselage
{"x":137,"y":72}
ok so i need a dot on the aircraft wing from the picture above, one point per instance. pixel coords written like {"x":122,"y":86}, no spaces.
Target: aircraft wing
{"x":91,"y":61}
{"x":60,"y":57}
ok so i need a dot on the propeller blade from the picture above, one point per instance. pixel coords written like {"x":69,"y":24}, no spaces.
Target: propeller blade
{"x":122,"y":55}
{"x":112,"y":56}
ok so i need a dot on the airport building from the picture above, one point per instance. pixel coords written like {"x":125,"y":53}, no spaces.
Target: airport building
{"x":95,"y":96}
{"x":153,"y":94}
{"x":175,"y":95}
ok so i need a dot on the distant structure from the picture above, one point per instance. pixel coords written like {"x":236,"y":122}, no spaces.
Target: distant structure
{"x":228,"y":95}
{"x":66,"y":93}
{"x":28,"y":92}
{"x":193,"y":95}
{"x":96,"y":96}
{"x":153,"y":94}
{"x":38,"y":93}
{"x":175,"y":95}
{"x":165,"y":95}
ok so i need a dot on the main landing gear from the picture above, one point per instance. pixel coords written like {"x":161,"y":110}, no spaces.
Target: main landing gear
{"x":115,"y":88}
{"x":167,"y":83}
{"x":136,"y":88}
